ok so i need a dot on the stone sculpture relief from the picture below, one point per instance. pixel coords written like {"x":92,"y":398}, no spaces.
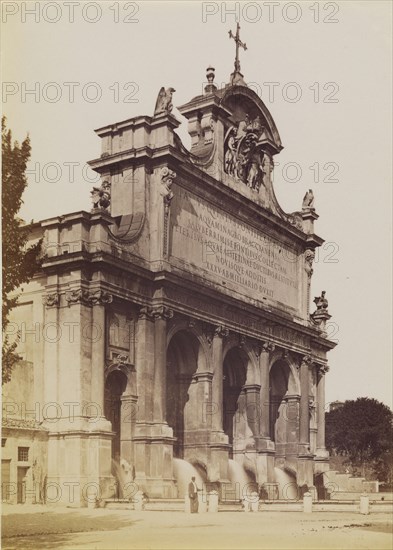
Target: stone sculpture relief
{"x":167,"y":177}
{"x":244,"y":159}
{"x":321,"y":302}
{"x":308,"y":200}
{"x":101,"y":196}
{"x":309,"y":256}
{"x":164,"y":101}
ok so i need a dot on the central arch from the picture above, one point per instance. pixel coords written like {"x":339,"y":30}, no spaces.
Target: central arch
{"x":234,"y":405}
{"x":278,"y":387}
{"x":182,"y":364}
{"x":115,"y":384}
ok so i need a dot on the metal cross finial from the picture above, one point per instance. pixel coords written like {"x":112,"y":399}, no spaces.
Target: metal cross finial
{"x":236,"y":38}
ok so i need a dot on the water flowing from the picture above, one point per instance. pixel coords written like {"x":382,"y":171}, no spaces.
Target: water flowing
{"x":123,"y":474}
{"x":183,"y":471}
{"x":241,"y":482}
{"x":287,"y":486}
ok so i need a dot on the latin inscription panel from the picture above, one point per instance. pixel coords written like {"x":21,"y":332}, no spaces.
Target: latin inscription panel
{"x":230,"y":253}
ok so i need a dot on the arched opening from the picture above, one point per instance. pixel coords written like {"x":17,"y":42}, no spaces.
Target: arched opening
{"x":115,"y":385}
{"x":234,"y":406}
{"x":278,"y":386}
{"x":182,"y":363}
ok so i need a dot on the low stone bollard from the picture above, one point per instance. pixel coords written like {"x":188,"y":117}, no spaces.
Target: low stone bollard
{"x":202,"y":502}
{"x":91,"y":498}
{"x":212,"y":502}
{"x":307,"y":503}
{"x":254,"y":502}
{"x":91,"y":504}
{"x":246,"y":504}
{"x":139,"y":501}
{"x":364,"y":504}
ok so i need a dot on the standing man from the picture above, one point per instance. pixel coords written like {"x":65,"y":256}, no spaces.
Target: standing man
{"x":193,"y":494}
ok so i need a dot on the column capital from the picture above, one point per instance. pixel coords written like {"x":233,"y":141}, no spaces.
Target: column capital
{"x":212,"y":332}
{"x":264,"y":347}
{"x":88,"y":297}
{"x":100,"y":297}
{"x":154,"y":313}
{"x":191,"y":322}
{"x":51,"y":299}
{"x":322,"y":369}
{"x":221,"y":331}
{"x":162,"y":312}
{"x":145,"y":313}
{"x":242,"y":340}
{"x":305,"y":360}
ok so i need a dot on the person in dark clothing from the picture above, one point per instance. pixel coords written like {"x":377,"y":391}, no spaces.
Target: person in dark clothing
{"x":193,"y":494}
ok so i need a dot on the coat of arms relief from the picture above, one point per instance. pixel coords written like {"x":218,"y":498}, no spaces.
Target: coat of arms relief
{"x":244,"y":158}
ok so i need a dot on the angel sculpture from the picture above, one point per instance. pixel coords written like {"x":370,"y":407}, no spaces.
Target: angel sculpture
{"x":164,"y":101}
{"x":101,"y":196}
{"x":230,"y":155}
{"x":308,"y":200}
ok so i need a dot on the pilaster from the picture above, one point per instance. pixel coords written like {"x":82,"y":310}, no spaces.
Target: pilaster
{"x":322,"y":455}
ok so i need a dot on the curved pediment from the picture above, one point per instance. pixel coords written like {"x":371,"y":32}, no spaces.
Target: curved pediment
{"x":245,"y":104}
{"x":234,"y":139}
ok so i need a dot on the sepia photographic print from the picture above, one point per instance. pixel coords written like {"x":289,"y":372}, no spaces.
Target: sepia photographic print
{"x":196,"y":275}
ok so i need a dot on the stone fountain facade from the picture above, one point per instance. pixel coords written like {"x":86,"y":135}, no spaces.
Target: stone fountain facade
{"x":173,"y":320}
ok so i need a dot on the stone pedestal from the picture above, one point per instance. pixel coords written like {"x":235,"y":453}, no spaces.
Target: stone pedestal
{"x":364,"y":504}
{"x":271,"y":490}
{"x":154,"y":460}
{"x":202,"y":502}
{"x":79,"y":463}
{"x":304,"y":429}
{"x":305,"y":471}
{"x":139,"y":501}
{"x":212,"y":502}
{"x":265,"y":464}
{"x":321,"y":449}
{"x":152,"y":437}
{"x":307,"y":503}
{"x":254,"y":502}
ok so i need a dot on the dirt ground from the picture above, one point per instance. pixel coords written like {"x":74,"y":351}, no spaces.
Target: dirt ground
{"x":43,"y":527}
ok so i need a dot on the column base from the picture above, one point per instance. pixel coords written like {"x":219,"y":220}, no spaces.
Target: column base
{"x":153,"y":445}
{"x":79,"y":467}
{"x":269,"y":491}
{"x":265,"y":468}
{"x":210,"y":450}
{"x":322,"y":453}
{"x":265,"y":445}
{"x":305,"y":471}
{"x":321,"y":463}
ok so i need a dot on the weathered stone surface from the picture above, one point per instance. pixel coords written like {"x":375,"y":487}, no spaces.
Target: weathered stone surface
{"x":173,"y":320}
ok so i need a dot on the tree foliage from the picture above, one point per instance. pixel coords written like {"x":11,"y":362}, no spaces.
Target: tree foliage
{"x":362,"y":430}
{"x":20,"y":262}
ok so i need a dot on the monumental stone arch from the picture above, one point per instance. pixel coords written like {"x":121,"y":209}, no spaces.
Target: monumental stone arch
{"x":188,"y":288}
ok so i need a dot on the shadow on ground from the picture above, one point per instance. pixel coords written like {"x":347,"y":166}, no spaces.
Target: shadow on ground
{"x":41,"y":542}
{"x":379,"y":528}
{"x":50,"y":530}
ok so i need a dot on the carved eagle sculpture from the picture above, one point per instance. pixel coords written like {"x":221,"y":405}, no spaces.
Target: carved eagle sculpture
{"x":308,"y":200}
{"x":164,"y":101}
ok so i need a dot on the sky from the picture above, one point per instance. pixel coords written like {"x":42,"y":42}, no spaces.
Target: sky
{"x":323,"y":70}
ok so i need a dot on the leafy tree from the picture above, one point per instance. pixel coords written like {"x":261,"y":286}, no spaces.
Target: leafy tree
{"x":362,"y":430}
{"x":19,"y":261}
